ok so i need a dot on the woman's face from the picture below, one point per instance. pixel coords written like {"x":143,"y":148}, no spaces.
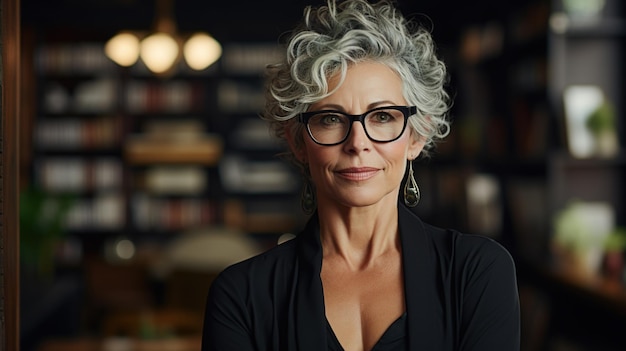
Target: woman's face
{"x":360,"y":172}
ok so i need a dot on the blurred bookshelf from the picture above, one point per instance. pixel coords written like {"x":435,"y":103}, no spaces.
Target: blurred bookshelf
{"x":150,"y":158}
{"x":102,"y":129}
{"x":146,"y":161}
{"x":492,"y":168}
{"x":508,"y":170}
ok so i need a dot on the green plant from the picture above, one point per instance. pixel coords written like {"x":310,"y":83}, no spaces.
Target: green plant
{"x":602,"y":119}
{"x":571,"y":230}
{"x":616,"y":241}
{"x":42,"y":226}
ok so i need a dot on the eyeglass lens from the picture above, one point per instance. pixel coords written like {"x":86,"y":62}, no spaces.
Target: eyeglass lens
{"x":330,"y":127}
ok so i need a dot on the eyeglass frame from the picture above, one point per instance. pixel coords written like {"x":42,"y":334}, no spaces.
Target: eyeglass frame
{"x":407,"y":111}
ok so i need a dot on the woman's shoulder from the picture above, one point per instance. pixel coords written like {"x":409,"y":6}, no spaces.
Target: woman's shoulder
{"x":467,"y":248}
{"x":476,"y":261}
{"x":480,"y":246}
{"x":447,"y":243}
{"x":479,"y":258}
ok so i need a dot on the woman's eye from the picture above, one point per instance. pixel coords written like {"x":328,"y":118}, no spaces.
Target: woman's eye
{"x":383,"y":117}
{"x":331,"y":119}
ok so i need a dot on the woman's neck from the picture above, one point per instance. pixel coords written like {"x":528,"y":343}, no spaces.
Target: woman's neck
{"x":359,"y":235}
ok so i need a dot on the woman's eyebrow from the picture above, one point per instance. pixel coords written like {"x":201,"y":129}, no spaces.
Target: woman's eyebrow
{"x":336,"y":107}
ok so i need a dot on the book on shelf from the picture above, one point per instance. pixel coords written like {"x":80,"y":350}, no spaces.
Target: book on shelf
{"x":172,"y":96}
{"x":72,"y":133}
{"x":254,"y":134}
{"x":179,"y":129}
{"x":105,"y":211}
{"x":74,"y":174}
{"x":267,"y":216}
{"x":94,"y":95}
{"x":240,"y":97}
{"x":97,"y":95}
{"x":181,"y":141}
{"x":167,"y":214}
{"x":173,"y":180}
{"x":241,"y":175}
{"x":73,"y":58}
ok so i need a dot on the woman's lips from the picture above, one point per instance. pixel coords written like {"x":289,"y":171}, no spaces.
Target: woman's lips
{"x":360,"y":173}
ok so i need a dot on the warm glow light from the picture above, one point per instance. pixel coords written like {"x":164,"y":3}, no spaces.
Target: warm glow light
{"x":201,"y":51}
{"x":123,"y":49}
{"x":159,"y":52}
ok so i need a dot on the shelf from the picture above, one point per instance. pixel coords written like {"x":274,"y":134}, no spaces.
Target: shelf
{"x":566,"y":160}
{"x":270,"y":222}
{"x":204,"y":151}
{"x":592,"y":29}
{"x":592,"y":288}
{"x":559,"y":305}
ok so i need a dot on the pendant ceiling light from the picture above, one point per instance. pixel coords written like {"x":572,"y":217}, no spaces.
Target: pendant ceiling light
{"x":123,"y":49}
{"x":201,"y":50}
{"x":162,"y":49}
{"x":159,"y":52}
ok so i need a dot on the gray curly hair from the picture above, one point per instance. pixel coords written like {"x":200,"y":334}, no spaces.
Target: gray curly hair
{"x":330,"y":38}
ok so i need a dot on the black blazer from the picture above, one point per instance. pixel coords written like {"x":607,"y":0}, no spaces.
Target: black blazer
{"x":460,"y":290}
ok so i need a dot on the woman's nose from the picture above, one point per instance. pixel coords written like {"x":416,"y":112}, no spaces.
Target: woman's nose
{"x":357,"y":140}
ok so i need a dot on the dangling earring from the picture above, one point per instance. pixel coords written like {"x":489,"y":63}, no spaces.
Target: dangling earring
{"x":307,"y":198}
{"x":411,"y":190}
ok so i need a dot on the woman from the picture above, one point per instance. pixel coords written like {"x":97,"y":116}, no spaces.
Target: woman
{"x":358,"y":98}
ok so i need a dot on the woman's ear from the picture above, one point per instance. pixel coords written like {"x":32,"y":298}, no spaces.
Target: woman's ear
{"x":416,"y":145}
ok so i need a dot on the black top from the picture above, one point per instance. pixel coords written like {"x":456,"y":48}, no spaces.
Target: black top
{"x":460,"y":290}
{"x":393,"y":339}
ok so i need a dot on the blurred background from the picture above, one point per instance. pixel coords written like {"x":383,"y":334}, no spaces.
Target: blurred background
{"x":145,"y":172}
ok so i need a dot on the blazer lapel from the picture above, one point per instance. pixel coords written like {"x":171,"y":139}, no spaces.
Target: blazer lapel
{"x":309,"y":300}
{"x":423,"y":313}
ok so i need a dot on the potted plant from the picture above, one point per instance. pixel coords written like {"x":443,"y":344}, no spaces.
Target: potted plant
{"x":42,"y":228}
{"x":601,"y":123}
{"x":615,"y":246}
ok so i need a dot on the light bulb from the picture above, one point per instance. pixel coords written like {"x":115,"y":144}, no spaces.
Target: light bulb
{"x":159,"y":52}
{"x":201,"y":50}
{"x":123,"y":49}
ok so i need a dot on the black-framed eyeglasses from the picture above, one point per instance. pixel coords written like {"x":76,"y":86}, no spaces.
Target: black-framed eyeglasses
{"x":382,"y":124}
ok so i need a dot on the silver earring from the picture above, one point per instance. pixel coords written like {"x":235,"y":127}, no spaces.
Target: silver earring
{"x":411,"y":190}
{"x":307,"y":198}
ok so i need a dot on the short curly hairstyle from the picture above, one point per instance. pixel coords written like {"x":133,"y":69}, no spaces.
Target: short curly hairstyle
{"x":338,"y":34}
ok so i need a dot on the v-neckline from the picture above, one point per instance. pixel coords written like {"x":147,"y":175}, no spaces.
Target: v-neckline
{"x":394,"y":331}
{"x":309,"y":329}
